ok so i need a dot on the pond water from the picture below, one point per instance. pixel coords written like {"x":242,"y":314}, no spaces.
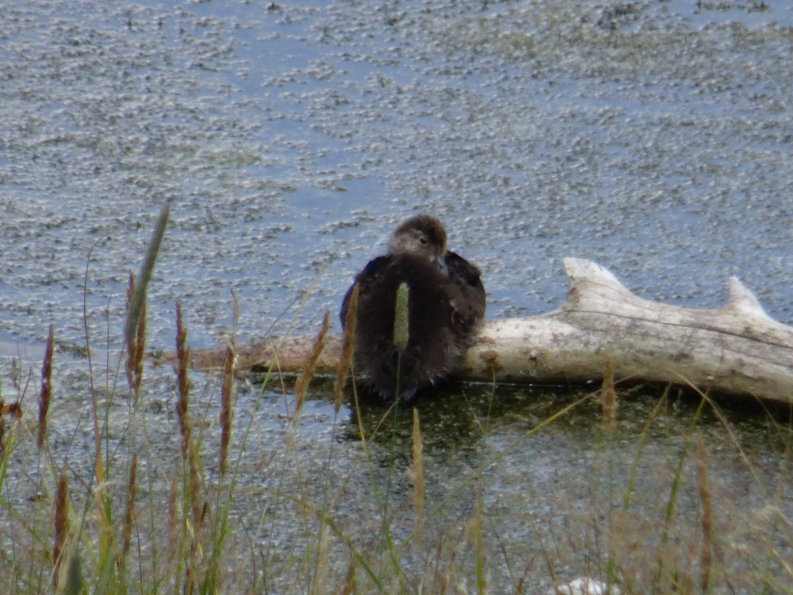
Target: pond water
{"x":652,"y":137}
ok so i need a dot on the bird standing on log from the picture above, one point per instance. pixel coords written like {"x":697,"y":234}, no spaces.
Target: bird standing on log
{"x":445,"y":307}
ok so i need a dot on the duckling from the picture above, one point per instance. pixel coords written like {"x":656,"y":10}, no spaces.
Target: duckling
{"x":446,"y":306}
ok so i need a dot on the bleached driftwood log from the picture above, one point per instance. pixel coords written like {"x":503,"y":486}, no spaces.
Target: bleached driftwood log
{"x":736,"y":348}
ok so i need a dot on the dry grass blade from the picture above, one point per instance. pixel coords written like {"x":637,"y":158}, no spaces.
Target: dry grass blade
{"x":416,"y":477}
{"x":345,"y":363}
{"x":173,"y":515}
{"x":706,"y":556}
{"x":129,"y":513}
{"x":301,"y":385}
{"x":349,"y":585}
{"x":61,"y":524}
{"x":46,"y":388}
{"x":182,"y":381}
{"x":13,"y":409}
{"x":225,"y":407}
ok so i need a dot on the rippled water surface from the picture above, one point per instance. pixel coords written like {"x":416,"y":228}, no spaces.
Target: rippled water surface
{"x":652,"y":137}
{"x":655,"y":139}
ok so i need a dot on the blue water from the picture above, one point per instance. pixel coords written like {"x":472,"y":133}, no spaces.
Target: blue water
{"x":654,"y":140}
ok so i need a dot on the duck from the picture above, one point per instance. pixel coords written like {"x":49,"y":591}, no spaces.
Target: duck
{"x":445,"y":310}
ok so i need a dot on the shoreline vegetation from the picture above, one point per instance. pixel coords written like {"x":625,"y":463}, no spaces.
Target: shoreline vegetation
{"x":209,"y":516}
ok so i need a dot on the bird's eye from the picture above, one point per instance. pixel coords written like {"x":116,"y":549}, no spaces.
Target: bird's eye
{"x":423,"y":241}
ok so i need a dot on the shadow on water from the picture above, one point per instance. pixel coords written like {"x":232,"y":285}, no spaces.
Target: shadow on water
{"x":460,"y":419}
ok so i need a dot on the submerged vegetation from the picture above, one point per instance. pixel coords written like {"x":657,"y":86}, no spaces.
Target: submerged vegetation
{"x":666,"y":492}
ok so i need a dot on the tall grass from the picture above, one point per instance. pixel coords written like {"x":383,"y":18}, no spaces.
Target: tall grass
{"x":219,"y":506}
{"x":203,"y":546}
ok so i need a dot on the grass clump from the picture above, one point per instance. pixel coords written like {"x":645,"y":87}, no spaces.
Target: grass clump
{"x":226,"y":513}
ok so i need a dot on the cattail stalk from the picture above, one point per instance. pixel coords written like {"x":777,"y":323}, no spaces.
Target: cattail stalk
{"x":225,"y":407}
{"x":46,"y":388}
{"x":135,"y":342}
{"x":189,"y":453}
{"x":347,"y":342}
{"x":401,"y":331}
{"x":401,"y":318}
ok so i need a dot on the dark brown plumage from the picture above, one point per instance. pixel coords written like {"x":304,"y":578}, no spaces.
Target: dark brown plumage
{"x":445,"y":307}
